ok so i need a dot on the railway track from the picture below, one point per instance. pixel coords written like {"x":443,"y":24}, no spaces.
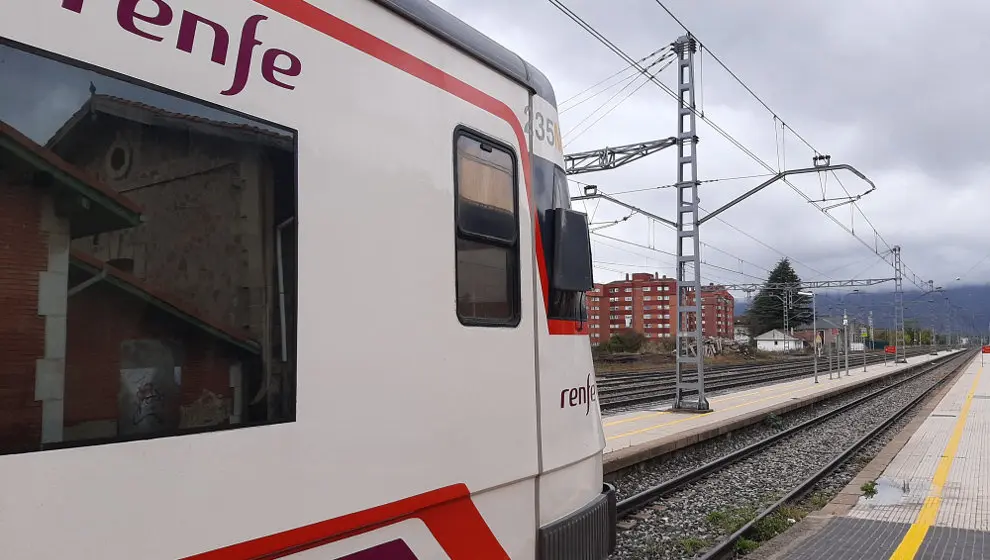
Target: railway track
{"x":648,"y":388}
{"x":728,"y":503}
{"x":634,"y":374}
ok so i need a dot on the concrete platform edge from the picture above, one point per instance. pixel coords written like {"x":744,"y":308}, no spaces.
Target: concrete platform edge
{"x":628,"y":457}
{"x":780,"y":546}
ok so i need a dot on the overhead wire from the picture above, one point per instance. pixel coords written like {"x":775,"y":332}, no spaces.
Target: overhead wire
{"x":708,"y":245}
{"x":672,"y":185}
{"x":768,"y":246}
{"x":708,"y":276}
{"x":831,"y":272}
{"x":784,"y":125}
{"x":661,"y":60}
{"x":797,"y":262}
{"x":620,"y":72}
{"x":605,"y":41}
{"x":661,"y":251}
{"x":978,"y":263}
{"x":627,"y":80}
{"x":736,"y":78}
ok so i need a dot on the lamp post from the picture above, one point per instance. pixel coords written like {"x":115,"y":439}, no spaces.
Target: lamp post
{"x":862,"y":338}
{"x":814,"y":329}
{"x":845,"y":344}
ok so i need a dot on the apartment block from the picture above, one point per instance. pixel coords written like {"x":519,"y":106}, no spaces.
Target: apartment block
{"x":647,"y":303}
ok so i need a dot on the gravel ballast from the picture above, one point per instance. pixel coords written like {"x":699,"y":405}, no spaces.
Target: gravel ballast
{"x":696,"y":517}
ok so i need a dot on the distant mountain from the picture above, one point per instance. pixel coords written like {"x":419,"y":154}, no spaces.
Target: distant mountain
{"x":970,"y":307}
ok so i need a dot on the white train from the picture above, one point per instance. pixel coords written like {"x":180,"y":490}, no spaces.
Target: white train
{"x":287,"y":278}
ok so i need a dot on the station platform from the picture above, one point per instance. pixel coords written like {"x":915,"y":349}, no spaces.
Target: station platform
{"x":932,"y":497}
{"x":633,"y":437}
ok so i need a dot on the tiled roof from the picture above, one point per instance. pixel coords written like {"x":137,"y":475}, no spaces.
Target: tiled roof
{"x":52,"y":159}
{"x":118,"y":107}
{"x":163,"y":301}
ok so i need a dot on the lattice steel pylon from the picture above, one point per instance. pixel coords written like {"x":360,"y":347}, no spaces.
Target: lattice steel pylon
{"x":689,"y":297}
{"x":899,"y":356}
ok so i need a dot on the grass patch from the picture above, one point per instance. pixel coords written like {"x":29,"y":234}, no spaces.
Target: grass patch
{"x":694,"y":545}
{"x":793,"y":512}
{"x":818,"y":500}
{"x":731,"y":520}
{"x":768,"y":527}
{"x":745,"y":546}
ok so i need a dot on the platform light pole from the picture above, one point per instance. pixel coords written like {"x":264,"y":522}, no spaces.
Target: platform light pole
{"x":862,"y":340}
{"x":688,"y":220}
{"x":873,"y":341}
{"x":814,"y":331}
{"x":845,"y":343}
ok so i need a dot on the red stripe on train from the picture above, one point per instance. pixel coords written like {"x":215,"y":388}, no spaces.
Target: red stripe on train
{"x":334,"y":27}
{"x":448,"y":512}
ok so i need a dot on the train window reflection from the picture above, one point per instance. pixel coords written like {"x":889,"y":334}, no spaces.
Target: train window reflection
{"x":139,"y":263}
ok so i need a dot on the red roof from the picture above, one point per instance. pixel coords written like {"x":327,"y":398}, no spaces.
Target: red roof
{"x":119,"y":107}
{"x":65,"y":167}
{"x":177,"y":307}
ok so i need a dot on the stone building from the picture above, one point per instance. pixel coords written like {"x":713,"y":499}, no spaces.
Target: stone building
{"x":217,"y":197}
{"x":90,"y":351}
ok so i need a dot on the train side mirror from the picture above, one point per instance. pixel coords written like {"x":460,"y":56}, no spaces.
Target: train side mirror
{"x":572,"y":251}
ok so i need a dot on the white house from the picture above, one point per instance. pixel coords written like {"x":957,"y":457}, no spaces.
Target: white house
{"x":778,"y":341}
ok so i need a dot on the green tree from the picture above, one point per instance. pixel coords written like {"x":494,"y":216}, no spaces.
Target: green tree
{"x":767,"y":312}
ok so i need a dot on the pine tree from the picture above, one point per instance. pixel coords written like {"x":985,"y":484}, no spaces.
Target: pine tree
{"x":767,"y":312}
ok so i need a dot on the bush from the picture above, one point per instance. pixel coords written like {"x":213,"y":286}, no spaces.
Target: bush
{"x":626,"y":341}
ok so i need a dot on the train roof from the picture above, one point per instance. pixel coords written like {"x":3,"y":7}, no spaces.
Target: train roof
{"x":444,"y":25}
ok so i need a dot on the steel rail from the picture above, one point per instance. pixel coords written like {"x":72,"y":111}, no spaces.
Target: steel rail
{"x":641,"y":499}
{"x":726,"y":548}
{"x":613,"y":397}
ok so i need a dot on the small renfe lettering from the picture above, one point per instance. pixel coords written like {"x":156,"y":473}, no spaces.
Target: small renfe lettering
{"x":276,"y":64}
{"x":577,"y":396}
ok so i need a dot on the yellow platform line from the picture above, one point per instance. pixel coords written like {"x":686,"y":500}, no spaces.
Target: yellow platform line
{"x":911,"y":542}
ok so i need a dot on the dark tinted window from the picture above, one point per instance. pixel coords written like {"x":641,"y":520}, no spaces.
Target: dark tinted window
{"x":564,"y":305}
{"x":487,"y":242}
{"x":148,"y":262}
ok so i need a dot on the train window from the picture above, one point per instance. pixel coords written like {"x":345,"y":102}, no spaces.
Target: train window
{"x":487,"y":236}
{"x":148,"y":263}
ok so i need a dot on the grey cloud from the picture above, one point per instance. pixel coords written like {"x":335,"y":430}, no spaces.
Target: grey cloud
{"x":48,"y":92}
{"x":895,"y":88}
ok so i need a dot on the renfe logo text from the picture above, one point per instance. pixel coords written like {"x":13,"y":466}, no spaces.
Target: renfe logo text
{"x":276,"y":64}
{"x":577,"y":396}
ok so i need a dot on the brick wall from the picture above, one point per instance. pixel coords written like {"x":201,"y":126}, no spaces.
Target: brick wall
{"x":101,"y":318}
{"x":23,"y":255}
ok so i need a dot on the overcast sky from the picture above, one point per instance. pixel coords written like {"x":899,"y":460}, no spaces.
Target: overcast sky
{"x":897,"y":89}
{"x":49,"y":92}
